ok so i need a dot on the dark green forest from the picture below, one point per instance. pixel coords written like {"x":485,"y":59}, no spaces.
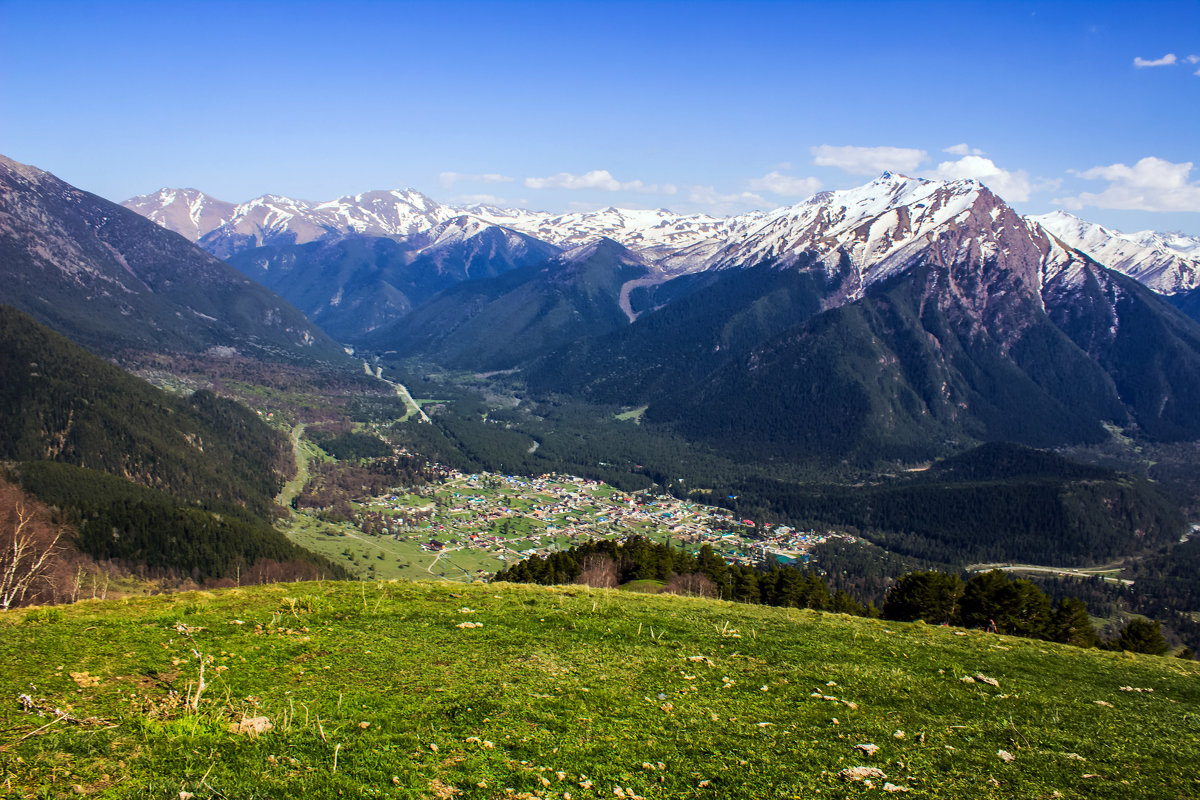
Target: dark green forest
{"x":159,"y":535}
{"x":64,"y":404}
{"x":166,"y":485}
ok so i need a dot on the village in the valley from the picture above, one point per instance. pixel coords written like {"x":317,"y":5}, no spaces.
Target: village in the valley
{"x":470,"y":526}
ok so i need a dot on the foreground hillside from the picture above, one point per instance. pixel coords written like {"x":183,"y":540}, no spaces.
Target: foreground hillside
{"x":438,"y":690}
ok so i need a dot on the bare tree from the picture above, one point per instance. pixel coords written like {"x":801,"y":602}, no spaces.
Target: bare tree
{"x":696,"y":584}
{"x":599,"y":571}
{"x":28,"y":546}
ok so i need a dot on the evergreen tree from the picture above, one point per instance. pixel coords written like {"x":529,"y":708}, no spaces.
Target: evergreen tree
{"x":931,"y":596}
{"x":1141,"y":636}
{"x":1070,"y":624}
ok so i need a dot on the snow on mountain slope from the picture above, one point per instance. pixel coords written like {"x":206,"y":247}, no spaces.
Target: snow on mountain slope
{"x":189,"y":212}
{"x":875,"y":229}
{"x":680,"y":241}
{"x":272,"y":219}
{"x":658,"y":235}
{"x":1167,"y":263}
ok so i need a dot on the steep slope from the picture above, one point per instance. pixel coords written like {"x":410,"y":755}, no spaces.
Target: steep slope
{"x":151,"y":480}
{"x":936,"y":334}
{"x":65,"y":404}
{"x":112,"y":280}
{"x":1150,"y":348}
{"x":352,"y":285}
{"x":690,"y":326}
{"x":499,"y":322}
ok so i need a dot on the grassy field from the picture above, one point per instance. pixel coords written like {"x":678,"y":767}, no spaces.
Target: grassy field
{"x":500,"y":691}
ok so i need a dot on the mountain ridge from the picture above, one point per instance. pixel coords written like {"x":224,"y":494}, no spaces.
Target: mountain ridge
{"x":113,"y":280}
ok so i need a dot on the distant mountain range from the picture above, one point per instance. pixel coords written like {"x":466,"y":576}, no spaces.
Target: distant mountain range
{"x":899,"y":319}
{"x":359,"y":263}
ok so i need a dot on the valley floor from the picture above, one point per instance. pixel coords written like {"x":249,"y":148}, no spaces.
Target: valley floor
{"x":473,"y":525}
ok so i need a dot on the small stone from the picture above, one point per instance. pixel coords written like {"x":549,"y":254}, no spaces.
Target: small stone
{"x":891,"y":787}
{"x":251,"y":725}
{"x":1103,"y":703}
{"x":1006,"y":756}
{"x":966,"y":679}
{"x":867,"y":749}
{"x":364,"y":725}
{"x":433,"y":747}
{"x":861,"y":774}
{"x":186,"y":796}
{"x":989,"y":681}
{"x":78,"y":789}
{"x":898,"y":735}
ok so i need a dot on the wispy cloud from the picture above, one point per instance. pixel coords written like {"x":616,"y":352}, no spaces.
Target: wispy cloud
{"x":868,"y":160}
{"x":448,"y":179}
{"x":1165,"y":61}
{"x":1152,"y":184}
{"x":1013,"y":186}
{"x":485,"y":200}
{"x":963,"y":150}
{"x":718,"y":202}
{"x":785,"y":185}
{"x":600,"y":179}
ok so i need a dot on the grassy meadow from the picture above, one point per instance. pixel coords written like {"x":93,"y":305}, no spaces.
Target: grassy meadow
{"x":407,"y":690}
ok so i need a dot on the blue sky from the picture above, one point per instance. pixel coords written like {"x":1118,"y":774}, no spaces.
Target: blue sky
{"x":699,"y":106}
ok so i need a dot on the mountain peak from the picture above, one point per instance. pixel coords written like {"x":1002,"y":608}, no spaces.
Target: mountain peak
{"x":601,"y":247}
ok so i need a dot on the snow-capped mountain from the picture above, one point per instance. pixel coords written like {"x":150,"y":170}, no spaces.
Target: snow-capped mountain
{"x":876,"y":228}
{"x":273,"y":219}
{"x":679,"y":241}
{"x":1168,"y":263}
{"x":189,"y":212}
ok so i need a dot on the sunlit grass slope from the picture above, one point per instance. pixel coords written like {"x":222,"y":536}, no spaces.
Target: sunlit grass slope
{"x":493,"y":691}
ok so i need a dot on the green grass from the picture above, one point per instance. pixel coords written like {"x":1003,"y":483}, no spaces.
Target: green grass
{"x":596,"y":685}
{"x":635,"y":415}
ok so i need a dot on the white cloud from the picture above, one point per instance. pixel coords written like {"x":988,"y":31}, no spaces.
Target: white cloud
{"x":1165,"y":61}
{"x":1013,"y":186}
{"x":786,"y":185}
{"x":484,"y":200}
{"x":715,"y":201}
{"x":1193,"y":59}
{"x":448,"y":179}
{"x":600,"y":179}
{"x":1152,"y":184}
{"x":963,"y":150}
{"x":868,"y":160}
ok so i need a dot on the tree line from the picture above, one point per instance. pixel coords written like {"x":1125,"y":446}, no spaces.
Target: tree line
{"x":992,"y":601}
